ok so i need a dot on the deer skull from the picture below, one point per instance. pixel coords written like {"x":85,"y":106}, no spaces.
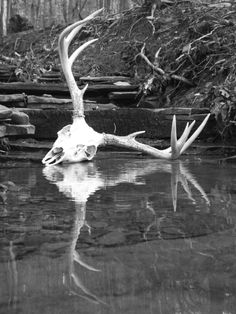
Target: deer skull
{"x":75,"y":143}
{"x":79,"y":142}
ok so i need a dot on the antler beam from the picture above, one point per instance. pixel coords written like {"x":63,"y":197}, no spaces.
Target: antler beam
{"x":79,"y":142}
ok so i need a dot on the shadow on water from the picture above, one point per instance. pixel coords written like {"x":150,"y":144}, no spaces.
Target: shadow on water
{"x":120,"y":235}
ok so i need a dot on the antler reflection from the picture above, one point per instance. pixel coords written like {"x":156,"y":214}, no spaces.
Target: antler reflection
{"x":179,"y":173}
{"x":79,"y":181}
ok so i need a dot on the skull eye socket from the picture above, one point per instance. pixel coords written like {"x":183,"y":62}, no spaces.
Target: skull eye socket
{"x":90,"y":151}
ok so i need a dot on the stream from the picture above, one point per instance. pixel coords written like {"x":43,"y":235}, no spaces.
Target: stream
{"x":123,"y":234}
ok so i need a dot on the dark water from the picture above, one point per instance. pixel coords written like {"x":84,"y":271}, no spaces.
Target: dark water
{"x":124,"y":234}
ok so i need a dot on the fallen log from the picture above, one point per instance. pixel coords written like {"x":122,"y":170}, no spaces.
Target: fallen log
{"x":12,"y":98}
{"x":122,"y":95}
{"x":49,"y":80}
{"x":124,"y":99}
{"x":182,"y":111}
{"x":31,"y":99}
{"x":19,"y":130}
{"x":93,"y":91}
{"x":104,"y":79}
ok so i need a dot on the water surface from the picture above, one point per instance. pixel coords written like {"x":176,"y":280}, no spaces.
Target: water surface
{"x":121,"y":234}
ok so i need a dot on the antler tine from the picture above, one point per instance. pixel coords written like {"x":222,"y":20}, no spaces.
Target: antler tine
{"x":185,"y":134}
{"x":70,"y":31}
{"x":79,"y":50}
{"x":195,"y":134}
{"x":75,"y":28}
{"x":180,"y":145}
{"x":176,"y":145}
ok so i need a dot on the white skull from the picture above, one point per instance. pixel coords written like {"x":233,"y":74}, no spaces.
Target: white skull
{"x":75,"y":143}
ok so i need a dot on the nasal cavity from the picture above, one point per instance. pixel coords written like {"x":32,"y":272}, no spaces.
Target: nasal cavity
{"x":57,"y":150}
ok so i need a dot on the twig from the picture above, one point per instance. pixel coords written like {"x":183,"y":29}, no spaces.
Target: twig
{"x":182,"y":79}
{"x":159,"y":70}
{"x":5,"y":58}
{"x":189,"y":46}
{"x":132,"y":26}
{"x":155,"y":68}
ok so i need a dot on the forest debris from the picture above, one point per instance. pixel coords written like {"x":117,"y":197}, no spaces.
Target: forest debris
{"x":155,"y":67}
{"x":187,"y":48}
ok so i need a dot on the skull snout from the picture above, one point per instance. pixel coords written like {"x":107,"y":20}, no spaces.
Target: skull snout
{"x":54,"y":156}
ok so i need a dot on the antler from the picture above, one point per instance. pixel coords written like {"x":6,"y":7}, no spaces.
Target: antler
{"x":64,"y":41}
{"x":173,"y":152}
{"x":79,"y":142}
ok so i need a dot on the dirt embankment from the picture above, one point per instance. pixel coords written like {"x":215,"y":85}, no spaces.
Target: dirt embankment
{"x":194,"y":67}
